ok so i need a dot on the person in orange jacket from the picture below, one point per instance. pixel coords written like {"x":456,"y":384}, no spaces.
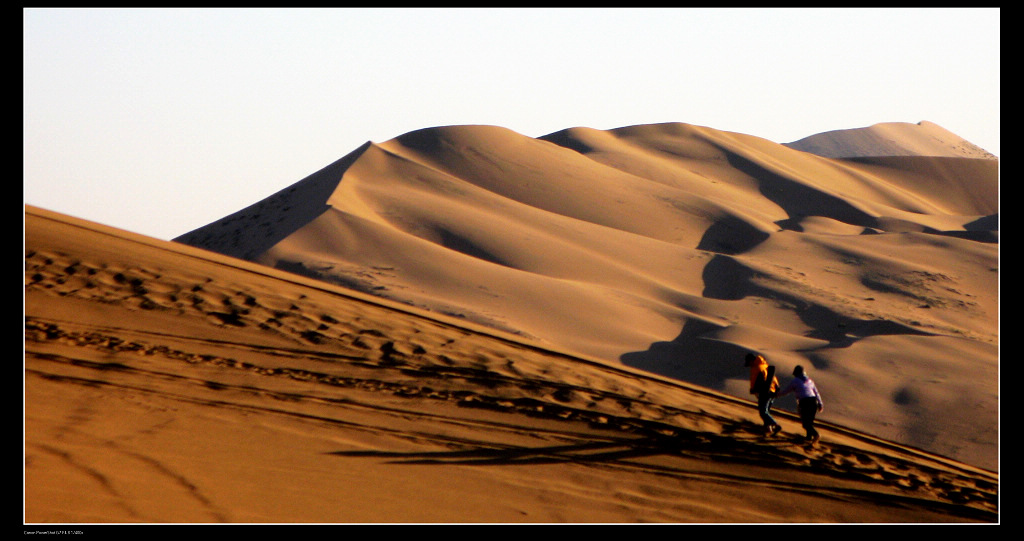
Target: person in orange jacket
{"x":764,"y":386}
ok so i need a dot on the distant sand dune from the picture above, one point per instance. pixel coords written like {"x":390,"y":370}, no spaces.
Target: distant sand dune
{"x":891,"y":139}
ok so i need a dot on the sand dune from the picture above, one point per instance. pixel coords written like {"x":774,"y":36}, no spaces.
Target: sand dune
{"x":465,"y":324}
{"x":675,"y":249}
{"x":891,"y":139}
{"x":168,"y":384}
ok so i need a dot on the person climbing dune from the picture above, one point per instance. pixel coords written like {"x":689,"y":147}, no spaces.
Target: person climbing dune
{"x":808,"y":400}
{"x":764,"y":385}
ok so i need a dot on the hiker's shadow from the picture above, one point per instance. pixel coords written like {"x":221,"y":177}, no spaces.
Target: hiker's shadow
{"x":596,"y":451}
{"x":731,"y":445}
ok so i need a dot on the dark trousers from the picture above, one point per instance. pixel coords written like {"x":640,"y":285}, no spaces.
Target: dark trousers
{"x":764,"y":408}
{"x":808,"y":408}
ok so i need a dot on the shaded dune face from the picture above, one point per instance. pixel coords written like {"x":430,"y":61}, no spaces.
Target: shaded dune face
{"x":676,"y":249}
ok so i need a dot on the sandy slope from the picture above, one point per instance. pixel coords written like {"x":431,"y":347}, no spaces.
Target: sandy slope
{"x":675,"y":249}
{"x":891,"y":139}
{"x":169,"y":384}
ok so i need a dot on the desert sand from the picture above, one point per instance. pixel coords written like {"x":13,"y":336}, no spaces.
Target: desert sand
{"x":468,"y":325}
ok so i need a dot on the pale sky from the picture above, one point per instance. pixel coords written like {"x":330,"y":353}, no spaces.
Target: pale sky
{"x":160,"y":121}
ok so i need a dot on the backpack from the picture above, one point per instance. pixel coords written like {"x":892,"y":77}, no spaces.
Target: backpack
{"x":764,"y":382}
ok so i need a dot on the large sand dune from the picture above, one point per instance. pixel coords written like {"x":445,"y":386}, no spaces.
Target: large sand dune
{"x":164,"y":383}
{"x":465,"y":324}
{"x":675,"y":249}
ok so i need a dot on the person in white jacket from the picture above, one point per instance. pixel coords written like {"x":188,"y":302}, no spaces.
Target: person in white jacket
{"x":808,"y":400}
